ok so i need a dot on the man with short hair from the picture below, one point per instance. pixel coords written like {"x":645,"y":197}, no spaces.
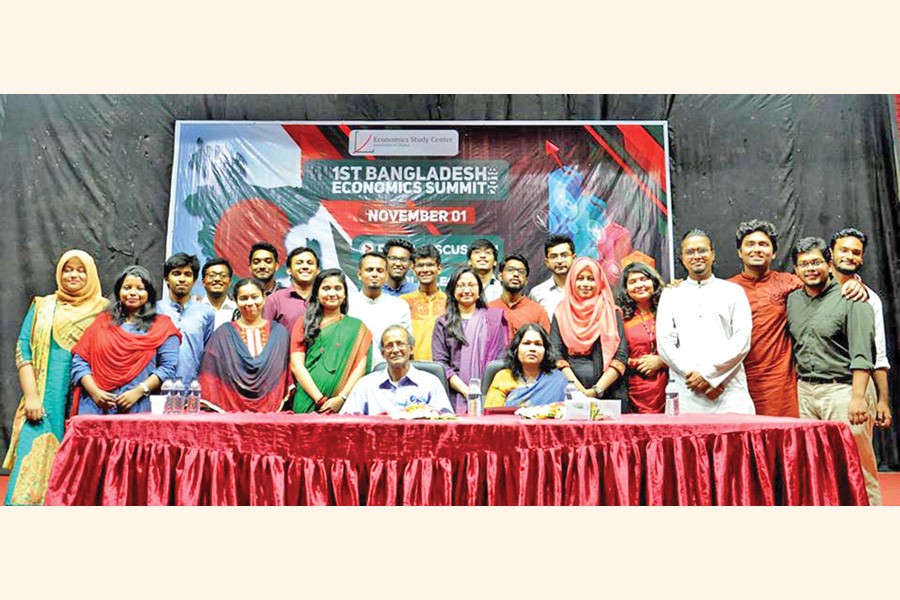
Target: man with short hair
{"x":771,"y":377}
{"x":195,"y":320}
{"x":520,"y":310}
{"x":559,"y":253}
{"x":400,"y":384}
{"x":482,"y":257}
{"x":428,"y":302}
{"x":372,"y":306}
{"x":287,"y":305}
{"x":834,"y":350}
{"x":263,"y":264}
{"x":399,"y":254}
{"x":216,"y":276}
{"x":703,"y":333}
{"x":848,"y":247}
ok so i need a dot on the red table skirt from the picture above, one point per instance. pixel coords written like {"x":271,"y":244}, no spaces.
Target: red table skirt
{"x":278,"y":459}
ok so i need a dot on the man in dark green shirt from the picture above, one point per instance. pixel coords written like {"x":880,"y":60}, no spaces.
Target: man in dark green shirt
{"x":834,"y":350}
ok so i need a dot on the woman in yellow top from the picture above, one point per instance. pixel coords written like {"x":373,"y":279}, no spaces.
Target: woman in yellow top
{"x":531,"y":377}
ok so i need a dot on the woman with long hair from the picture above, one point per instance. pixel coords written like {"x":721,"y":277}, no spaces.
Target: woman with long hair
{"x":530,"y":377}
{"x":469,"y":335}
{"x":127,"y":352}
{"x":245,"y":363}
{"x":329,"y":349}
{"x":51,"y":328}
{"x":587,"y":330}
{"x":647,"y":373}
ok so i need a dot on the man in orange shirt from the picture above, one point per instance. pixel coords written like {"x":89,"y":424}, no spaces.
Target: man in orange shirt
{"x":519,"y":308}
{"x":428,"y":302}
{"x":769,"y":365}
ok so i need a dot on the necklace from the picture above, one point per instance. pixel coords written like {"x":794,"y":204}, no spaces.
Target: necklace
{"x":650,"y":331}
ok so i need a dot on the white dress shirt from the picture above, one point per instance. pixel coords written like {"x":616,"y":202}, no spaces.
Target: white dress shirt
{"x":881,"y":359}
{"x":223,"y":314}
{"x":548,"y":295}
{"x":705,"y":327}
{"x":377,"y":315}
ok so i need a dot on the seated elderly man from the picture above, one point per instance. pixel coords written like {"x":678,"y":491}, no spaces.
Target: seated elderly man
{"x":399,"y":385}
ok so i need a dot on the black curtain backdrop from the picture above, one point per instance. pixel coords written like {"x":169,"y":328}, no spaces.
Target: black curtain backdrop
{"x":93,"y":172}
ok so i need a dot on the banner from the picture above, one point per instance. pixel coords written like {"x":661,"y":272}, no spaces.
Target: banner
{"x":346,"y":188}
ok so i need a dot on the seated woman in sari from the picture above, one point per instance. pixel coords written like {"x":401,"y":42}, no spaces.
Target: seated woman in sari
{"x":530,"y":377}
{"x":469,"y":335}
{"x":647,"y":373}
{"x":245,"y":364}
{"x":127,"y":352}
{"x":329,"y":349}
{"x":51,"y":328}
{"x":588,"y":332}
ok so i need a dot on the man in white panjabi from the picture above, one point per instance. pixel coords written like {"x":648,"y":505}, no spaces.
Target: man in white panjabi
{"x":703,"y":333}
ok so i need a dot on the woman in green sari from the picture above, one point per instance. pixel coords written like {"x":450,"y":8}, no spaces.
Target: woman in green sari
{"x":329,"y":350}
{"x":52,"y":326}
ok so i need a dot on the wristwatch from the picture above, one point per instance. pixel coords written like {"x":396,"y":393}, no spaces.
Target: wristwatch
{"x":145,"y":387}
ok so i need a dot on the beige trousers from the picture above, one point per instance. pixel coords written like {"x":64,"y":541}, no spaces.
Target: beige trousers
{"x":831,"y":402}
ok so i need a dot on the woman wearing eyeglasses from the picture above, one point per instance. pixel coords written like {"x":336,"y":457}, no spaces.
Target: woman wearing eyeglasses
{"x":469,"y":335}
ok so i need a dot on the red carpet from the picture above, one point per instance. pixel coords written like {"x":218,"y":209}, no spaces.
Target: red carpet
{"x":890,"y":488}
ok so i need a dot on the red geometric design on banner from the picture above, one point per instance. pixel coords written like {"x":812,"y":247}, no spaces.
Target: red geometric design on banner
{"x":646,"y":151}
{"x":245,"y":223}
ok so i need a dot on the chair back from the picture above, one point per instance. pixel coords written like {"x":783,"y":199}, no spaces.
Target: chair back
{"x":489,"y":371}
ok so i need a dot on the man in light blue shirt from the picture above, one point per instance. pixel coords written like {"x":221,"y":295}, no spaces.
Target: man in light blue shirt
{"x":399,"y":385}
{"x":195,"y":320}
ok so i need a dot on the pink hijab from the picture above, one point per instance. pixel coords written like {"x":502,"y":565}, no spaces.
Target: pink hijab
{"x":582,"y":320}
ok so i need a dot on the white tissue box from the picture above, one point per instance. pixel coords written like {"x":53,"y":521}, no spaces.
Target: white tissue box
{"x":582,"y":408}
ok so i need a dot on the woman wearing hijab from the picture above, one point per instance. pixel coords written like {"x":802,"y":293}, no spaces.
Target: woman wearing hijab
{"x":51,"y":328}
{"x":245,"y":364}
{"x":588,"y":332}
{"x":127,"y":352}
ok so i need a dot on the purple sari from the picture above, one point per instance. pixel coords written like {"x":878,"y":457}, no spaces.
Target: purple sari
{"x":487,"y":338}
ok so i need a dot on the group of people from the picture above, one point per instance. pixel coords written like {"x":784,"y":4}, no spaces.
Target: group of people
{"x":762,"y":342}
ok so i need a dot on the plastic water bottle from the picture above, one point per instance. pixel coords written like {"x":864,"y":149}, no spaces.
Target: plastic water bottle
{"x":570,"y":391}
{"x":673,"y":402}
{"x":166,"y":390}
{"x":193,"y":398}
{"x":178,"y":397}
{"x":476,"y":408}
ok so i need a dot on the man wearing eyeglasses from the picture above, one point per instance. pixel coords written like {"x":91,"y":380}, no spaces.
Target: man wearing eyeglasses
{"x":559,"y":253}
{"x":216,"y":277}
{"x":398,"y":386}
{"x":834,"y":350}
{"x":399,"y":259}
{"x":703,"y":333}
{"x":520,"y":310}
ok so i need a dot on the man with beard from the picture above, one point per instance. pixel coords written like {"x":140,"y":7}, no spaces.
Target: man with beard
{"x":482,"y":257}
{"x":263,"y":264}
{"x":834,"y":349}
{"x":399,"y":254}
{"x":703,"y":333}
{"x":428,"y":302}
{"x":399,"y":385}
{"x":848,"y":247}
{"x":769,"y":366}
{"x":195,"y":319}
{"x":216,"y":276}
{"x":559,"y":252}
{"x":373,"y":307}
{"x":288,"y":305}
{"x":520,"y":310}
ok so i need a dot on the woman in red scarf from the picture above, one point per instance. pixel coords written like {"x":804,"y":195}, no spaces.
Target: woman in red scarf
{"x":127,"y":352}
{"x":587,"y":330}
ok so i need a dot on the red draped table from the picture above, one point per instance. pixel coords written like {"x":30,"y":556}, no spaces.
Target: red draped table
{"x":276,"y":459}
